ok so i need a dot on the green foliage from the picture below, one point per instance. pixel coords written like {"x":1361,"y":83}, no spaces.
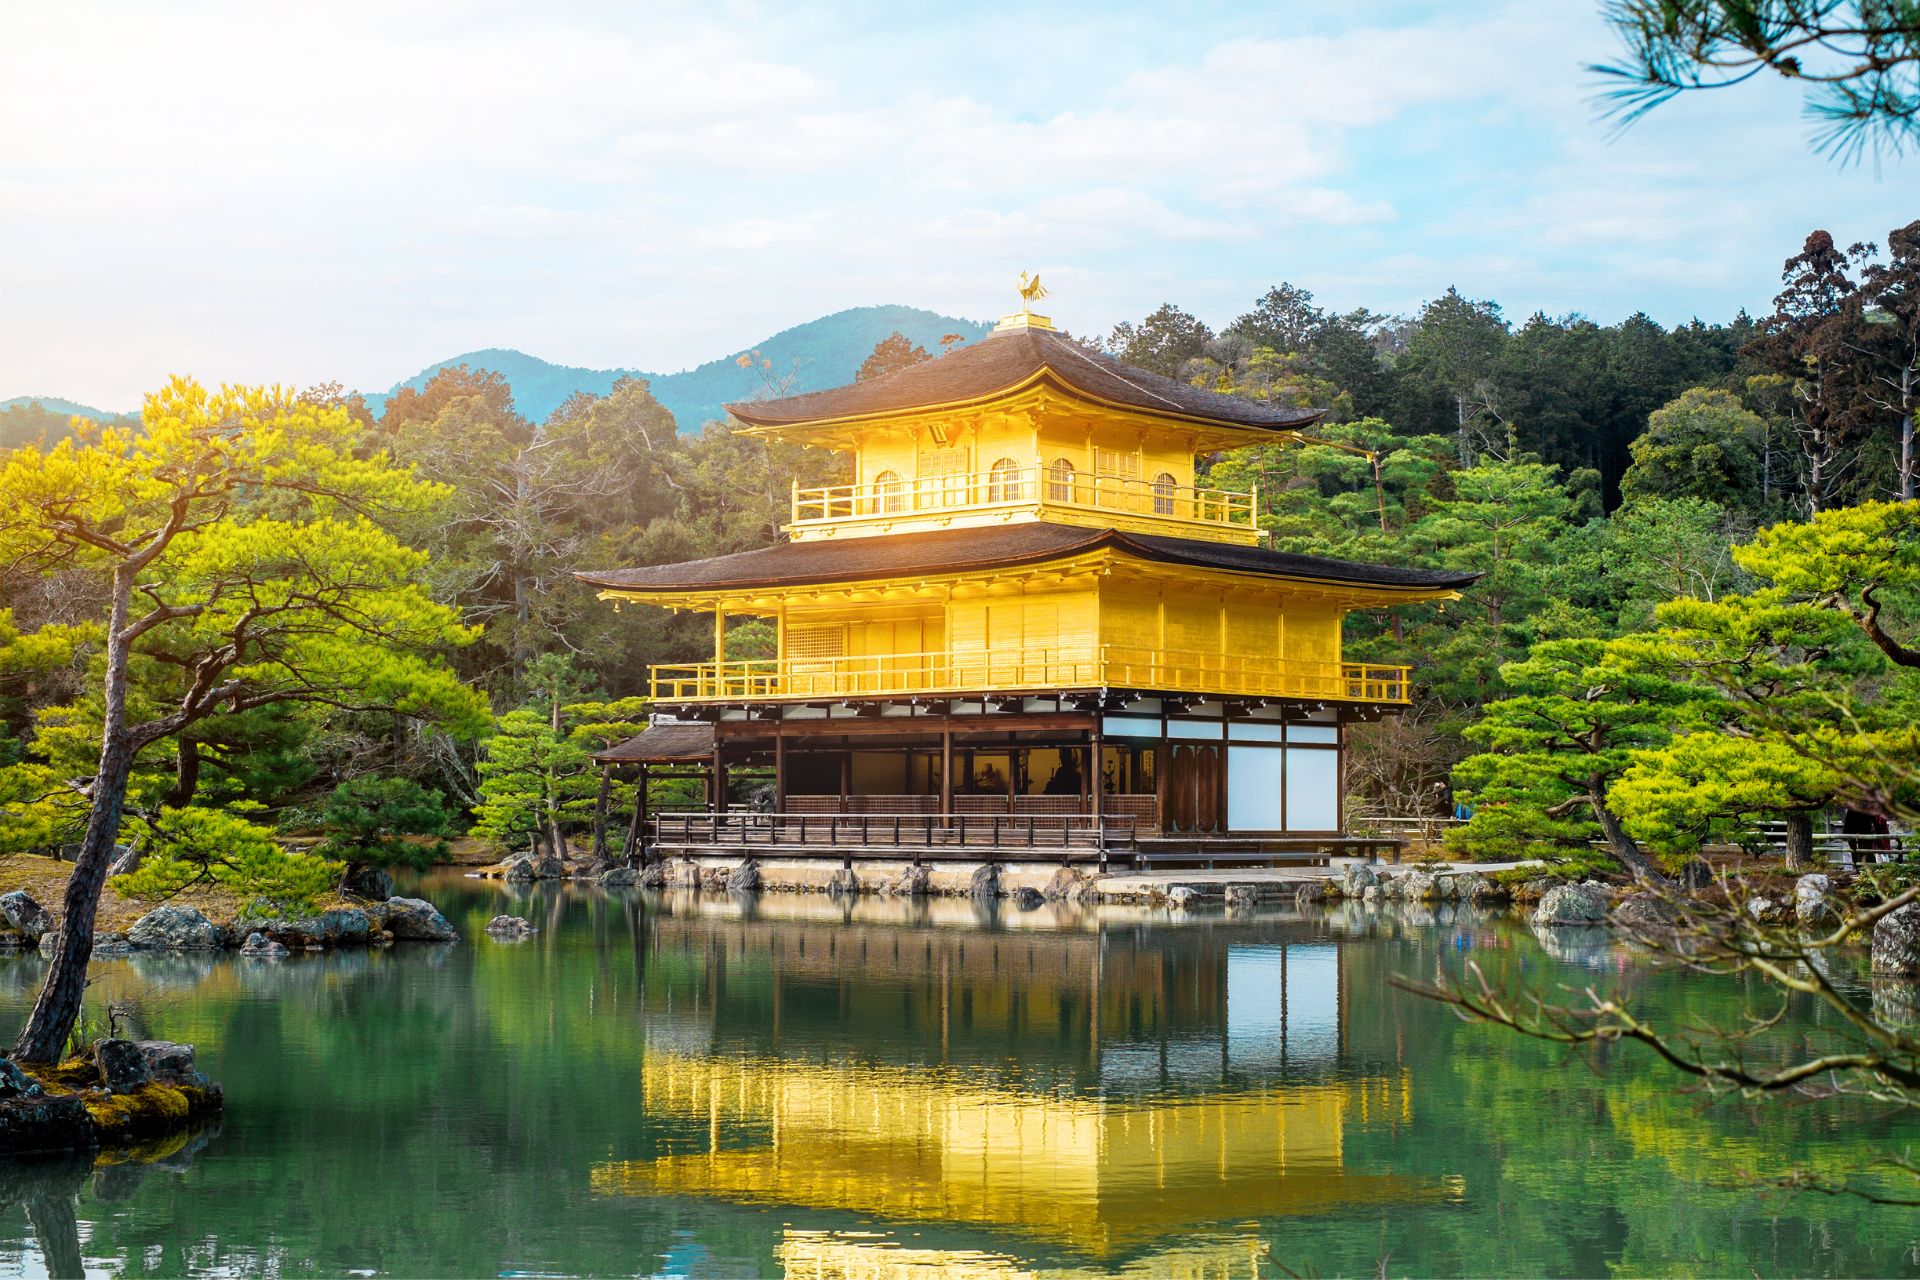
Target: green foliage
{"x":1704,"y":445}
{"x":368,"y":822}
{"x":1568,"y":729}
{"x":1162,"y":343}
{"x":1819,"y":663}
{"x":1658,"y":549}
{"x":528,"y":776}
{"x":1712,"y":786}
{"x":187,"y":847}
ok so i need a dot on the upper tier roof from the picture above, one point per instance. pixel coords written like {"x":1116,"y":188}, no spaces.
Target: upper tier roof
{"x":795,"y":564}
{"x":1005,"y":360}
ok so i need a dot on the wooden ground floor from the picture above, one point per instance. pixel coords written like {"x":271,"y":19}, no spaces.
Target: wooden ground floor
{"x":1077,"y":778}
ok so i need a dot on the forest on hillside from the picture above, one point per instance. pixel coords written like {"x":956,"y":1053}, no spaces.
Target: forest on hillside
{"x":1698,"y":547}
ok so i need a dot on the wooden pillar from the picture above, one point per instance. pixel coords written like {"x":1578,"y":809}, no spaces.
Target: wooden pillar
{"x":717,"y":793}
{"x":846,"y":776}
{"x":1162,"y":768}
{"x":1097,"y":785}
{"x":779,"y":772}
{"x":946,"y":772}
{"x":637,"y":825}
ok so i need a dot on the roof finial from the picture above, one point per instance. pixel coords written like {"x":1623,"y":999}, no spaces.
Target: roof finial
{"x":1031,"y":291}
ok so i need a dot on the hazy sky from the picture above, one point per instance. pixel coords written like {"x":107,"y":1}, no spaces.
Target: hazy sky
{"x":277,"y":192}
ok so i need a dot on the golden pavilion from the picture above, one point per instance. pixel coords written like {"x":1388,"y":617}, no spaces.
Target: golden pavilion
{"x":1022,"y":626}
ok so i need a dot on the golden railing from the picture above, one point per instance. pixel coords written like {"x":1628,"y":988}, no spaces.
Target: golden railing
{"x":1032,"y":486}
{"x":1103,"y":666}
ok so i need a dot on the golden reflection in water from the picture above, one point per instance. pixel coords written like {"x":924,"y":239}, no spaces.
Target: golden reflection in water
{"x":1093,"y":1174}
{"x":859,"y":1255}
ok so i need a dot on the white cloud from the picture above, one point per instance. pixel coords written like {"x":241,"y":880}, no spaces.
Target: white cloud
{"x":352,"y":190}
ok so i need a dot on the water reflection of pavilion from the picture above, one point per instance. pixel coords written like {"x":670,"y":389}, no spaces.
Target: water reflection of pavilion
{"x":1103,"y":1090}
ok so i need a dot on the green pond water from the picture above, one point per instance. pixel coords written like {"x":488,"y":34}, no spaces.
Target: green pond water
{"x":695,"y":1086}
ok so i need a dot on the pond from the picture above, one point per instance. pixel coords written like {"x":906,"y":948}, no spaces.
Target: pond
{"x":697,"y":1086}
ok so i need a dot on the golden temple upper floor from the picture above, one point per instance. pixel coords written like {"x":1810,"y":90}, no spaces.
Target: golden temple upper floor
{"x":1026,"y":425}
{"x":1031,"y":606}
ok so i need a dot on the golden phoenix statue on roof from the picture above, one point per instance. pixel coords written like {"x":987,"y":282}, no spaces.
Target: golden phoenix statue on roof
{"x":1031,"y":291}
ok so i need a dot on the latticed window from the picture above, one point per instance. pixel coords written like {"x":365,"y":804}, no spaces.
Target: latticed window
{"x":943,"y":473}
{"x":816,"y":641}
{"x":889,"y":492}
{"x":1060,"y":481}
{"x":1003,"y":482}
{"x":1164,"y":486}
{"x":1112,"y":462}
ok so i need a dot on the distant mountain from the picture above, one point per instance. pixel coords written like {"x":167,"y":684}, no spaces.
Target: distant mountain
{"x":65,"y":408}
{"x":820,"y":353}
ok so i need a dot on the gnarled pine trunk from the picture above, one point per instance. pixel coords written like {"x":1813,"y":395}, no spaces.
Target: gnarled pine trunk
{"x":1619,"y":843}
{"x":1799,"y":840}
{"x":58,"y":1008}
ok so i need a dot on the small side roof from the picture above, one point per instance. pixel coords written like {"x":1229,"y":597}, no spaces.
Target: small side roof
{"x":1008,"y":359}
{"x":794,"y":564}
{"x":662,"y":744}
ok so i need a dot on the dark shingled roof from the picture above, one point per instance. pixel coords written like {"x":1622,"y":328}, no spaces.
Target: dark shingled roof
{"x":662,"y":744}
{"x":953,"y":550}
{"x":1004,"y":360}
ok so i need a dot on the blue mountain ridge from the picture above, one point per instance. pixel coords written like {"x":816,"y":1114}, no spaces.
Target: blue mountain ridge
{"x":54,"y":404}
{"x":820,"y":353}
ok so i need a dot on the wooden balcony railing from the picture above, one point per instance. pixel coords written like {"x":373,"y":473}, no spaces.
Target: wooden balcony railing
{"x":1032,"y":486}
{"x":1104,"y":666}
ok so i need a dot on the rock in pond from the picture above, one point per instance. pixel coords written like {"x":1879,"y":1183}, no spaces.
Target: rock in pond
{"x":417,"y":920}
{"x":985,"y":884}
{"x":1766,"y":911}
{"x":1183,"y":897}
{"x":1571,"y":904}
{"x":123,"y":1068}
{"x":1813,"y":903}
{"x":1417,"y":886}
{"x":1028,"y":898}
{"x":170,"y":1062}
{"x":32,"y":920}
{"x":335,"y":927}
{"x":912,"y":882}
{"x":1242,"y":895}
{"x":844,"y":884}
{"x":653,"y":876}
{"x":1356,"y":878}
{"x":511,"y":928}
{"x":177,"y":927}
{"x":744,"y":878}
{"x":1896,"y":943}
{"x":1472,"y":886}
{"x":104,"y":944}
{"x":15,"y":1083}
{"x":619,"y":878}
{"x":260,"y":945}
{"x":518,"y":870}
{"x":1063,"y":886}
{"x":1644,"y":911}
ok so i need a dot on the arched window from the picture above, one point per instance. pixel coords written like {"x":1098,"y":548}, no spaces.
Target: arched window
{"x":1003,"y":482}
{"x":889,"y":494}
{"x":1163,"y":487}
{"x":1060,"y":481}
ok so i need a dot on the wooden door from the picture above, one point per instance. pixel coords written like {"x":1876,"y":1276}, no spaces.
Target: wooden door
{"x":1193,"y":787}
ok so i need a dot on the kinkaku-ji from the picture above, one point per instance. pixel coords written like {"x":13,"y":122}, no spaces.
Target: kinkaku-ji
{"x":1023,"y":630}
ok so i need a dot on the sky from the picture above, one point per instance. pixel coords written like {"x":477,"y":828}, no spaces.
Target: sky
{"x":350,"y":191}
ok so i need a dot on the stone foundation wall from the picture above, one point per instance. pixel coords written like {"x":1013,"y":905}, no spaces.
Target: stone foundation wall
{"x":816,"y":875}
